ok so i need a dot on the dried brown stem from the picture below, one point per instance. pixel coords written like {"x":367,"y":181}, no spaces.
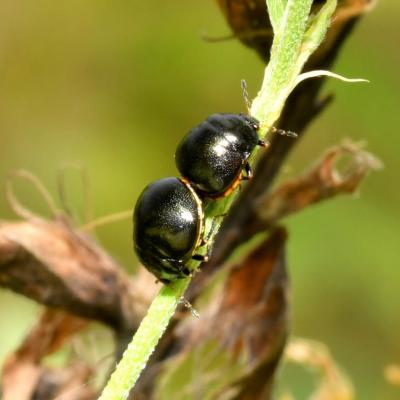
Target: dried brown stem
{"x":332,"y":383}
{"x":23,"y":377}
{"x":323,"y":181}
{"x":61,"y":267}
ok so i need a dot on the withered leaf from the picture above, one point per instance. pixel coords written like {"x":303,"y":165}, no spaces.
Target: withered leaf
{"x":59,"y":266}
{"x":249,"y":320}
{"x":23,"y":376}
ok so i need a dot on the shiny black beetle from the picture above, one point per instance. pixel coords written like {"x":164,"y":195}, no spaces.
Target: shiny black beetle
{"x":168,"y":228}
{"x":214,"y":154}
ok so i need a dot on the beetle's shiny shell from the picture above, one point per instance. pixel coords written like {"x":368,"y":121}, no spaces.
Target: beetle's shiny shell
{"x":168,"y":224}
{"x":212,"y":155}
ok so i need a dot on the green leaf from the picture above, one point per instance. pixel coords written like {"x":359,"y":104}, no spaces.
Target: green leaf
{"x":283,"y":67}
{"x":276,"y":9}
{"x":316,"y":31}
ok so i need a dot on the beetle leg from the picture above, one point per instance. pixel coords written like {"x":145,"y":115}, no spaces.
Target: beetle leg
{"x":262,"y":143}
{"x":204,"y":241}
{"x":185,"y":271}
{"x":171,"y":260}
{"x":174,"y":265}
{"x":164,"y":281}
{"x":180,"y":266}
{"x":249,"y":172}
{"x":200,"y":257}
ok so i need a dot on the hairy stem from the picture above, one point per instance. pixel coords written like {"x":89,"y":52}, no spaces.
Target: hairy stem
{"x":145,"y":340}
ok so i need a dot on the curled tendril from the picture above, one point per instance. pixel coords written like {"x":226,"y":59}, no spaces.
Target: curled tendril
{"x":17,"y":207}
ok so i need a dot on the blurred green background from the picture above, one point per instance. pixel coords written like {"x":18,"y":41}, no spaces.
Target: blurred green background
{"x":114,"y":85}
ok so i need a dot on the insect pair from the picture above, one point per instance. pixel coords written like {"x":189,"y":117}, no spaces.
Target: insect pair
{"x":169,"y":215}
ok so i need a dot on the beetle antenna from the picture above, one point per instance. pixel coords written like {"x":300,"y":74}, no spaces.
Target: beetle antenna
{"x":243,"y":84}
{"x":283,"y":132}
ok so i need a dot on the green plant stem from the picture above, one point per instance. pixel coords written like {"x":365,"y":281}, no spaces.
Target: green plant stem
{"x":145,"y":340}
{"x":286,"y":62}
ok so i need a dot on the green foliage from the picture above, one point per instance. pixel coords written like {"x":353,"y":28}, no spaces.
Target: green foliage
{"x":315,"y":33}
{"x":276,"y":9}
{"x":297,"y":36}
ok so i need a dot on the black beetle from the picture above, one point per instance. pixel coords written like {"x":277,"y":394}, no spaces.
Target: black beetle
{"x":168,"y":227}
{"x":213,"y":155}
